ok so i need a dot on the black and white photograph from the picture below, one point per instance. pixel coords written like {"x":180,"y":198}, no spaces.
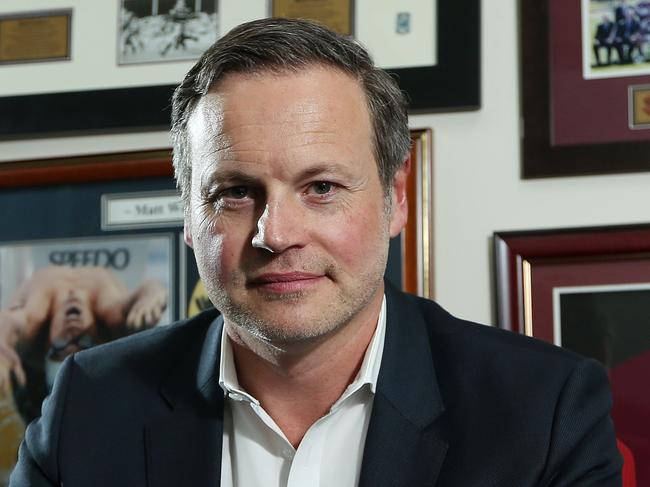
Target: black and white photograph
{"x":165,"y":30}
{"x":615,"y":38}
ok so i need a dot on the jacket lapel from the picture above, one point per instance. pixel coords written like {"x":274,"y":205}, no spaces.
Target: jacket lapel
{"x":405,"y":444}
{"x":185,"y":447}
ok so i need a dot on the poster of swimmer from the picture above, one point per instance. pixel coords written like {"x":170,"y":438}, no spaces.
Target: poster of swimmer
{"x":58,"y":297}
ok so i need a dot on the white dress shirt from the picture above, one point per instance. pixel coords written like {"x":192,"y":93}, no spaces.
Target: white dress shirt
{"x":256,"y":453}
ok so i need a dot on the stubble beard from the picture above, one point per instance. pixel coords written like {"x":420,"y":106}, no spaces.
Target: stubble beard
{"x":324,"y":317}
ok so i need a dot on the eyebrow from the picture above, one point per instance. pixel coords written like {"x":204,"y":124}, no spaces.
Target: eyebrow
{"x":328,"y":168}
{"x":228,"y":175}
{"x":224,"y":175}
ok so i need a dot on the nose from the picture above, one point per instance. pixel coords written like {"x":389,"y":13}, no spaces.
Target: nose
{"x":280,"y":227}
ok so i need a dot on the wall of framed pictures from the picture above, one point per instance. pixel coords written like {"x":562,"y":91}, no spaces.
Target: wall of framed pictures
{"x":477,"y":187}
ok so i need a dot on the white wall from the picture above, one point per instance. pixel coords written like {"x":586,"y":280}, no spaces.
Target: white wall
{"x":477,"y":185}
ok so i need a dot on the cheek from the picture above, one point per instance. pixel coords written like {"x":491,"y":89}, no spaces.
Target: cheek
{"x":218,"y":250}
{"x":359,"y":238}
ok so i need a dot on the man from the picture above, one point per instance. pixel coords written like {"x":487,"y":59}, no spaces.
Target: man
{"x":604,"y":38}
{"x":58,"y":311}
{"x":628,"y":37}
{"x":291,"y":153}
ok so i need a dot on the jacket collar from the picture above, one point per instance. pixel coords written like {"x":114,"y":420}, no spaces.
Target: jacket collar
{"x":185,"y":447}
{"x":405,"y":444}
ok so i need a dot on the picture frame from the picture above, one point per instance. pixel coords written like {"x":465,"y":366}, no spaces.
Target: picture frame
{"x":452,"y":84}
{"x":71,"y":288}
{"x":517,"y":254}
{"x":164,"y":32}
{"x":550,"y":35}
{"x":17,"y":30}
{"x":417,"y":238}
{"x":588,"y":290}
{"x":83,"y":169}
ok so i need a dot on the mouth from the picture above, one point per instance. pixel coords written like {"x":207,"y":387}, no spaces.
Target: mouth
{"x":72,"y":314}
{"x":285,"y":282}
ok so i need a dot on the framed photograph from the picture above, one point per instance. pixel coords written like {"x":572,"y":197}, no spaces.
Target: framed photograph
{"x":584,"y":95}
{"x":81,"y":237}
{"x":165,"y":30}
{"x":450,"y":83}
{"x":66,"y":295}
{"x":588,"y":290}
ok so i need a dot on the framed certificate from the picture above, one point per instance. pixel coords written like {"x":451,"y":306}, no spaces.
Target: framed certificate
{"x":35,"y":36}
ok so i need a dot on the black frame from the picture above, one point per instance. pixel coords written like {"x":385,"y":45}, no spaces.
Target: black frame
{"x":451,"y":85}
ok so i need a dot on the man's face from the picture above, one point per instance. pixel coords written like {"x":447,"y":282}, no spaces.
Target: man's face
{"x":287,"y":216}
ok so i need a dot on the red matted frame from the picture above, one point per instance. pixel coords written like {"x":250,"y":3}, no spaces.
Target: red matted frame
{"x":530,"y":264}
{"x":539,"y":47}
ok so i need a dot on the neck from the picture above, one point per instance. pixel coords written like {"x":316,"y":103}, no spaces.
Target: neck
{"x":297,"y":383}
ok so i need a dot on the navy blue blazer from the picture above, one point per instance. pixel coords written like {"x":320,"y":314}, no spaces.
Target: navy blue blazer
{"x":457,"y":405}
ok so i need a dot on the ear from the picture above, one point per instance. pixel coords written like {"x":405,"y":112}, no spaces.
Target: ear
{"x":400,"y":204}
{"x":187,"y":234}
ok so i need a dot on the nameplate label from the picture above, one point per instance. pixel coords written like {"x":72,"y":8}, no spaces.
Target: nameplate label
{"x":141,"y":210}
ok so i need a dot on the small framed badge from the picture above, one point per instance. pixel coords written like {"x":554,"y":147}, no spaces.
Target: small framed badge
{"x":639,"y":106}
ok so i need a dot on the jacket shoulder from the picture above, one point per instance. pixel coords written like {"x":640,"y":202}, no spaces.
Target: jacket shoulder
{"x":488,"y":341}
{"x":151,"y":351}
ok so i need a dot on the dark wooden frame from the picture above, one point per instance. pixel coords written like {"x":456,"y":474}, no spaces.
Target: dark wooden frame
{"x":514,"y":252}
{"x":539,"y":158}
{"x":450,"y":85}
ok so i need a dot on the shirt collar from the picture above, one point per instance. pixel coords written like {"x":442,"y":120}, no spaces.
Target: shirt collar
{"x":368,"y":372}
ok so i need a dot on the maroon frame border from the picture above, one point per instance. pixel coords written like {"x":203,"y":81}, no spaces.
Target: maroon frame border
{"x":512,"y":249}
{"x":104,"y":167}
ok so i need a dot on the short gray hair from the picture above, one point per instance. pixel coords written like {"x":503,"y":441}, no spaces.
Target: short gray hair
{"x":280,"y":44}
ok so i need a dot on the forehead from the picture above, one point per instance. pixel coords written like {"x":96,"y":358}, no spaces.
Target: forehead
{"x":267,"y":108}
